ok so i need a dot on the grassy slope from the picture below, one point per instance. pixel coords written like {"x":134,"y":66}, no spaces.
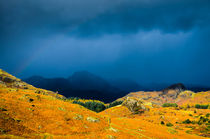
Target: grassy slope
{"x":49,"y":116}
{"x":148,"y":124}
{"x":38,"y":113}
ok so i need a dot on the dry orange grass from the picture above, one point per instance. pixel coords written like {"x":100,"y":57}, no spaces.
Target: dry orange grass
{"x":38,"y":113}
{"x":117,"y":111}
{"x":28,"y":114}
{"x":25,"y":113}
{"x":148,"y":125}
{"x":197,"y":98}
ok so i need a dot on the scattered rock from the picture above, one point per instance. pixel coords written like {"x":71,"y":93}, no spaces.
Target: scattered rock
{"x":61,"y":109}
{"x":39,"y":127}
{"x":2,"y":84}
{"x":78,"y":117}
{"x":162,"y":117}
{"x":85,"y":126}
{"x":93,"y":119}
{"x":111,"y":137}
{"x":113,"y":129}
{"x":8,"y":80}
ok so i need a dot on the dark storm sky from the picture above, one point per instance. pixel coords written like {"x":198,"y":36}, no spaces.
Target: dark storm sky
{"x":151,"y":41}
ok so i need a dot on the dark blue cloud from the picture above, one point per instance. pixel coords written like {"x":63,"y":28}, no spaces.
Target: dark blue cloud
{"x":100,"y":16}
{"x":147,"y":40}
{"x":167,"y":16}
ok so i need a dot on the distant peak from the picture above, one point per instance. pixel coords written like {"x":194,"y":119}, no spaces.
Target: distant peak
{"x":177,"y":86}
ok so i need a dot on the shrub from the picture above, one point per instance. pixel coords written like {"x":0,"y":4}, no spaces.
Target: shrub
{"x":93,"y":105}
{"x":162,"y":123}
{"x":169,"y":105}
{"x":115,"y":103}
{"x":203,"y":120}
{"x":186,"y":121}
{"x":199,"y":106}
{"x":169,"y":124}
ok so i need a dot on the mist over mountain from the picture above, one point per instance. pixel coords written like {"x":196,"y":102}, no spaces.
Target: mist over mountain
{"x":81,"y":84}
{"x":84,"y":80}
{"x":90,"y":86}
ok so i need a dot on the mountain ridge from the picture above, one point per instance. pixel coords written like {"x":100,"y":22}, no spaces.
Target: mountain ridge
{"x":30,"y":112}
{"x":90,"y":86}
{"x":81,"y":84}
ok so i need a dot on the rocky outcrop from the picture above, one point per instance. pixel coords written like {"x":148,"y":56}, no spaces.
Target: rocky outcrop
{"x":167,"y":95}
{"x":93,"y":119}
{"x":173,"y":91}
{"x":8,"y":80}
{"x":179,"y":87}
{"x":134,"y":105}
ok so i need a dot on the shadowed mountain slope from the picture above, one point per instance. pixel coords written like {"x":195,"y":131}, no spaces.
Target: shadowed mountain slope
{"x":81,"y":84}
{"x":29,"y":112}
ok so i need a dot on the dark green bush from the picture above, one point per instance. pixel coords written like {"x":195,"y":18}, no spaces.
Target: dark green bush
{"x":202,"y":120}
{"x":169,"y":105}
{"x":74,"y":98}
{"x":91,"y":105}
{"x":169,"y":124}
{"x":199,"y":106}
{"x":187,"y":121}
{"x":115,"y":103}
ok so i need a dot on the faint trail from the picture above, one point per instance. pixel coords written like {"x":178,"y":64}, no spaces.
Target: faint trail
{"x":131,"y":131}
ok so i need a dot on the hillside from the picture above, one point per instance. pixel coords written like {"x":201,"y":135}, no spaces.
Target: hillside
{"x":176,"y":93}
{"x":29,"y":112}
{"x":160,"y":123}
{"x":86,"y":85}
{"x":32,"y":112}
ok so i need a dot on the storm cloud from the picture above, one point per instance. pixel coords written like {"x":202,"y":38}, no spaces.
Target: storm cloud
{"x":103,"y":16}
{"x":147,"y":40}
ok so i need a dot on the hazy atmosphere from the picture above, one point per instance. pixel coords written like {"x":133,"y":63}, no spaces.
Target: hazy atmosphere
{"x":162,"y":41}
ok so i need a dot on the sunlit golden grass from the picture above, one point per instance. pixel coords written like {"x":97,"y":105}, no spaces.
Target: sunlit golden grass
{"x":38,"y":113}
